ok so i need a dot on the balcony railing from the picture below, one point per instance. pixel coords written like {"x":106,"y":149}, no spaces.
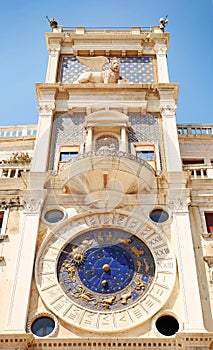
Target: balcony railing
{"x":107,"y":153}
{"x":12,"y":171}
{"x":18,"y":131}
{"x":199,"y":171}
{"x":195,"y":129}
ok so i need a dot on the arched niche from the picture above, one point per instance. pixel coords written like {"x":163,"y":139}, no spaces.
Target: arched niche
{"x":107,"y":123}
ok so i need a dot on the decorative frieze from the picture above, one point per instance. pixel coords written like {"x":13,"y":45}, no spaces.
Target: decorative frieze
{"x":6,"y":203}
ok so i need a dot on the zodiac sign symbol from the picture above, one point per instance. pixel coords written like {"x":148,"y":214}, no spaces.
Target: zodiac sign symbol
{"x":139,"y":284}
{"x":71,"y":270}
{"x":124,"y":297}
{"x":137,"y":251}
{"x":107,"y":302}
{"x":125,"y":241}
{"x":84,"y":296}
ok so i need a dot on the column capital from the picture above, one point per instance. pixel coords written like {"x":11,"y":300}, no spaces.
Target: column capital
{"x":160,"y":48}
{"x":46,"y":108}
{"x":32,"y":206}
{"x":180,"y":205}
{"x":54,"y":50}
{"x":168,"y":110}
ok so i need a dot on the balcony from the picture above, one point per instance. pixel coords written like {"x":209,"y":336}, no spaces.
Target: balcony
{"x":12,"y":171}
{"x":11,"y":176}
{"x":18,"y":131}
{"x":192,"y":130}
{"x":105,"y":179}
{"x":199,"y":171}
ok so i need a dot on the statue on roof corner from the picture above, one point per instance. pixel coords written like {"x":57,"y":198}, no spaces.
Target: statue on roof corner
{"x":163,"y":23}
{"x":52,"y":22}
{"x":96,"y":73}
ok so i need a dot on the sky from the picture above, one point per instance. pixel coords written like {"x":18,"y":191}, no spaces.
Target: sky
{"x":23,"y":58}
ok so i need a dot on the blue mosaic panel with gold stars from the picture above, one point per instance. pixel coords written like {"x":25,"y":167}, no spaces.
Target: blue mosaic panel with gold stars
{"x":138,"y":70}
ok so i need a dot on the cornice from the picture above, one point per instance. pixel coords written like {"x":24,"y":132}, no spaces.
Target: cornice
{"x":41,"y":88}
{"x":93,"y":37}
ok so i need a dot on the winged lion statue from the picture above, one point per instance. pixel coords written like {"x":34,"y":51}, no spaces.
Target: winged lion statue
{"x":96,"y":73}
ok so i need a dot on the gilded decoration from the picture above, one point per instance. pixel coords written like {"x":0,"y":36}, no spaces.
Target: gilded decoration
{"x":105,"y":272}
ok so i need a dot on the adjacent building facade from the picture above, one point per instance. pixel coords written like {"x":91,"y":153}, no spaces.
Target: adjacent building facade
{"x":107,"y":204}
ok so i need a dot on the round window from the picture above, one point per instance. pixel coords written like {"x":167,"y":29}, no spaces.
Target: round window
{"x":54,"y":215}
{"x":167,"y":325}
{"x":159,"y":215}
{"x":43,"y":326}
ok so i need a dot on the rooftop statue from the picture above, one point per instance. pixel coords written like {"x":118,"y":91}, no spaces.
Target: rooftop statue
{"x":163,"y":23}
{"x":52,"y":22}
{"x":96,"y":73}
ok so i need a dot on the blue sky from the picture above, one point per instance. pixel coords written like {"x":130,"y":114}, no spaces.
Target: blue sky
{"x":23,"y":58}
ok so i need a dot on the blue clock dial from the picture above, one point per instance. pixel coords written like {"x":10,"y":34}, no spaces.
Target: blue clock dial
{"x":105,"y":268}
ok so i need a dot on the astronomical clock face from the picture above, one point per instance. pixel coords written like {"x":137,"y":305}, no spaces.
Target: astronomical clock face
{"x":105,"y":272}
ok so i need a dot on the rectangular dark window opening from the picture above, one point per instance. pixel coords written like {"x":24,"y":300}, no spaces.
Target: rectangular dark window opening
{"x":146,"y":155}
{"x":65,"y":156}
{"x":209,"y":222}
{"x":192,"y":161}
{"x":1,"y":220}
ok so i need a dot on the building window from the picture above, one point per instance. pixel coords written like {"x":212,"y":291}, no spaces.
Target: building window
{"x":1,"y":220}
{"x":67,"y":153}
{"x":54,"y":215}
{"x":192,"y":161}
{"x":209,"y":222}
{"x":146,"y":155}
{"x":65,"y":156}
{"x":159,"y":215}
{"x":43,"y":326}
{"x":147,"y":152}
{"x":3,"y":223}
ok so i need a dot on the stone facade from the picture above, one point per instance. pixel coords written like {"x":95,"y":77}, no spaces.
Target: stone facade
{"x":106,"y":205}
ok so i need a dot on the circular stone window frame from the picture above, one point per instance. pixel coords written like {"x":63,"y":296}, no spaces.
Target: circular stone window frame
{"x":164,"y":208}
{"x":39,"y":315}
{"x":50,"y":208}
{"x":166,"y":313}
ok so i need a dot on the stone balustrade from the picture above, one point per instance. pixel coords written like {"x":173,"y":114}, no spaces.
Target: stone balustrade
{"x":195,"y":129}
{"x":18,"y":131}
{"x":199,"y":171}
{"x":12,"y":171}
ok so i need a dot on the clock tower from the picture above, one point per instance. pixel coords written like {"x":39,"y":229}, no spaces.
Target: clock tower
{"x":106,"y":257}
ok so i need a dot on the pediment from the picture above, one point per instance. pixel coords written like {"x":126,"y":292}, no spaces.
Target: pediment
{"x":105,"y":118}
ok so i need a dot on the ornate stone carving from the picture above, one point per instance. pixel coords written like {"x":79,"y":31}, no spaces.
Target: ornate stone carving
{"x":53,"y":172}
{"x":46,"y":108}
{"x":180,"y":205}
{"x":209,"y":261}
{"x":10,"y":203}
{"x":33,"y":205}
{"x":168,"y":110}
{"x":160,"y":48}
{"x":96,"y":73}
{"x":54,"y":50}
